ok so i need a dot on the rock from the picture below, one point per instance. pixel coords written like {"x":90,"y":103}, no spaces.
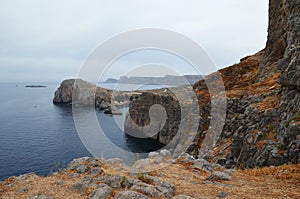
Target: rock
{"x":165,"y":153}
{"x":217,"y":175}
{"x":164,"y":190}
{"x":101,"y":192}
{"x":141,"y":164}
{"x":130,"y":195}
{"x":159,"y":129}
{"x":203,"y":164}
{"x":107,"y":110}
{"x":9,"y":186}
{"x":95,"y":163}
{"x":82,"y":168}
{"x":182,"y":197}
{"x":74,"y":175}
{"x":103,"y":105}
{"x":113,"y":161}
{"x":96,"y":171}
{"x":158,"y":160}
{"x":222,"y":161}
{"x":78,"y":187}
{"x":23,"y":190}
{"x":293,"y":152}
{"x":59,"y":182}
{"x":114,"y":181}
{"x":185,"y":157}
{"x":222,"y":195}
{"x":229,"y":171}
{"x":85,"y":93}
{"x":77,"y":162}
{"x":167,"y":189}
{"x":153,"y":155}
{"x":40,"y":197}
{"x":25,"y":176}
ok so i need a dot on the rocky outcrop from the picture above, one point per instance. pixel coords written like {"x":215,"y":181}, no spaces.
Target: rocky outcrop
{"x":139,"y":112}
{"x":82,"y":92}
{"x":64,"y":93}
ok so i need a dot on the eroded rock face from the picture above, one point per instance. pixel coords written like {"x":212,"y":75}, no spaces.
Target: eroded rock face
{"x":267,"y":140}
{"x":276,"y":43}
{"x":85,"y":94}
{"x":139,"y":113}
{"x":64,"y":93}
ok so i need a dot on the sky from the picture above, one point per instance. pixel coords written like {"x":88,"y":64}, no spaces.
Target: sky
{"x":48,"y":41}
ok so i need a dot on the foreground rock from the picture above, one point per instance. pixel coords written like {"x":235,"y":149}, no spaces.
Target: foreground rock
{"x":130,"y":195}
{"x":115,"y":180}
{"x":101,"y":192}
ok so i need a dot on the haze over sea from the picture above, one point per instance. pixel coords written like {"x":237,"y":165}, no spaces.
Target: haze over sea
{"x":38,"y":136}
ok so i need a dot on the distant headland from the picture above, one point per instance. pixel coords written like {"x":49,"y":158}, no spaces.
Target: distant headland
{"x":166,"y":80}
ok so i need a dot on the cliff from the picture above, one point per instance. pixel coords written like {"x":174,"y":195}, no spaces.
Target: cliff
{"x":139,"y":112}
{"x":262,"y":125}
{"x":85,"y":94}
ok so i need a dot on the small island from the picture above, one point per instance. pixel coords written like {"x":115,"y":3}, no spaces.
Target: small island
{"x":35,"y":86}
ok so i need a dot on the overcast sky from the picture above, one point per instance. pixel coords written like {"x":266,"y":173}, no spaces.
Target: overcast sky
{"x":49,"y":40}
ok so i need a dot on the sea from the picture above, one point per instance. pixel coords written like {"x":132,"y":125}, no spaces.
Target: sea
{"x":39,"y":136}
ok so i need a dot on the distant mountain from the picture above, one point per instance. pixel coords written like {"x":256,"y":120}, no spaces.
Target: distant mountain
{"x":166,"y":80}
{"x":111,"y":80}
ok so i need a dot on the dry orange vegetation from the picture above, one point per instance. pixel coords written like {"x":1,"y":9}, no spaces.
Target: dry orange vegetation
{"x":241,"y":80}
{"x":271,"y":182}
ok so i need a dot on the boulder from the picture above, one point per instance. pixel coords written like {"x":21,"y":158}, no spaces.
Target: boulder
{"x":217,"y":175}
{"x":130,"y":195}
{"x":82,"y":168}
{"x":101,"y":192}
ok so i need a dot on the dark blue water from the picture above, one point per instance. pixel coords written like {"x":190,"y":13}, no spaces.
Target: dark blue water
{"x":38,"y":136}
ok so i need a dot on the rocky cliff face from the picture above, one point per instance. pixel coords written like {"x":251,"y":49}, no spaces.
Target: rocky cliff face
{"x":262,"y":125}
{"x":267,"y":131}
{"x":139,"y":112}
{"x":85,"y":94}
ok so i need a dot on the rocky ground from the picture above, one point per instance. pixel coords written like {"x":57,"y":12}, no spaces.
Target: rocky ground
{"x":183,"y":178}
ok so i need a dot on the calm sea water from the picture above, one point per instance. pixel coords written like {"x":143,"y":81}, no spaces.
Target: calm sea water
{"x":38,"y":136}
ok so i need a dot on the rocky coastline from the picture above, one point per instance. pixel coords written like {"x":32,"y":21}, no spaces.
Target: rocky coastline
{"x":88,"y":94}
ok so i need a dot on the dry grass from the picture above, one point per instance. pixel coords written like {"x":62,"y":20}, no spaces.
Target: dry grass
{"x":283,"y":172}
{"x":269,"y":182}
{"x":240,"y":80}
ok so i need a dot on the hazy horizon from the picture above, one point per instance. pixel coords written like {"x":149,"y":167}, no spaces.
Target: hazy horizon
{"x":47,"y":41}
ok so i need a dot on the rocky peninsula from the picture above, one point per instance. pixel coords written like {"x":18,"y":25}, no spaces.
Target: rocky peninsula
{"x":84,"y":93}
